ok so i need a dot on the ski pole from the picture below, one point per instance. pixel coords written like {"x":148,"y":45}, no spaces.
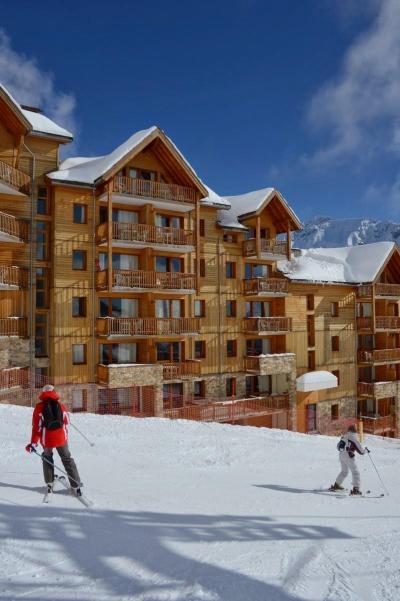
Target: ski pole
{"x":55,"y":466}
{"x":386,"y":490}
{"x":82,"y":434}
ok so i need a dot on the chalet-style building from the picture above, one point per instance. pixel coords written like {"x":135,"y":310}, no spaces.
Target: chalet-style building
{"x":136,"y":289}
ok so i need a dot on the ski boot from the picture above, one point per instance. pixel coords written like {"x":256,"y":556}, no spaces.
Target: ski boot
{"x":50,"y":487}
{"x":77,"y":491}
{"x":355,"y":491}
{"x":336,"y":487}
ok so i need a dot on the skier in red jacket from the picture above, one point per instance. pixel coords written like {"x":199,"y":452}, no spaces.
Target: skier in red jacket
{"x":49,"y":426}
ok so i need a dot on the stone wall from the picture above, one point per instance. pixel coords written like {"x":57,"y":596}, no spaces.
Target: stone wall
{"x":14,"y":352}
{"x":134,"y":375}
{"x":347,"y":410}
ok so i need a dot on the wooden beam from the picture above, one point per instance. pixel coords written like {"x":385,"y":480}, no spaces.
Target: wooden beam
{"x":197,"y":238}
{"x":289,"y":246}
{"x":109,"y":235}
{"x":258,"y":236}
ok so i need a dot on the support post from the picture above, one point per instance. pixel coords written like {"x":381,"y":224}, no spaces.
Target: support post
{"x":197,"y":237}
{"x":109,"y":236}
{"x":289,"y":242}
{"x":258,"y":236}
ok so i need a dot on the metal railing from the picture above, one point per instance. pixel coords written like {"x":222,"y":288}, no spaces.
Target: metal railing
{"x":267,"y":324}
{"x":147,"y":326}
{"x":266,"y":285}
{"x":14,"y":177}
{"x":149,"y":189}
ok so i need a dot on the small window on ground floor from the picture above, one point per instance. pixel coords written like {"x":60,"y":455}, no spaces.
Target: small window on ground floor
{"x":335,"y":411}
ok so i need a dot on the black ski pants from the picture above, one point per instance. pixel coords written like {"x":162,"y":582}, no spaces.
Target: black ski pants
{"x":68,"y":463}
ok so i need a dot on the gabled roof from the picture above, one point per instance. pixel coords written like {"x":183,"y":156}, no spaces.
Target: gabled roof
{"x":348,"y":265}
{"x":244,"y":206}
{"x":34,"y":123}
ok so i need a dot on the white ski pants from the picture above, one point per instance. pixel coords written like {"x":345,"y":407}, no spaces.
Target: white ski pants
{"x":348,"y":463}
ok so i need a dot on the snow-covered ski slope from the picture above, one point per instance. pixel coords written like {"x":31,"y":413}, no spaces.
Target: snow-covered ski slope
{"x":195,"y":512}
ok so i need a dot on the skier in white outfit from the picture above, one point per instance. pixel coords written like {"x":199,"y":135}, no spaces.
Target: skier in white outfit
{"x":348,"y":446}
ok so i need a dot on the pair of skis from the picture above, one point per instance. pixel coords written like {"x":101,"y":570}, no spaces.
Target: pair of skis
{"x":63,"y":481}
{"x":342,"y":494}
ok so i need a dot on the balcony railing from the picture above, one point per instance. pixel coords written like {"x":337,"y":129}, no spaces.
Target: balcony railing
{"x":14,"y":177}
{"x":231,"y":410}
{"x":379,"y":356}
{"x":378,"y":390}
{"x":13,"y":227}
{"x":146,"y":234}
{"x":266,"y":286}
{"x":269,"y":247}
{"x":14,"y":376}
{"x":147,"y":326}
{"x":387,"y":290}
{"x":13,"y":326}
{"x":376,"y":425}
{"x":124,"y":278}
{"x":185,"y":369}
{"x":382,"y":322}
{"x":142,"y":187}
{"x":13,"y":276}
{"x":268,"y":325}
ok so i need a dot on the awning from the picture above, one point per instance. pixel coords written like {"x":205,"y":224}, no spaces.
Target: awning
{"x":316,"y":380}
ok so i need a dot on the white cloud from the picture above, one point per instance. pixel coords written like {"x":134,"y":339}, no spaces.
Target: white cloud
{"x":30,"y":85}
{"x":359,"y":111}
{"x":387,"y":195}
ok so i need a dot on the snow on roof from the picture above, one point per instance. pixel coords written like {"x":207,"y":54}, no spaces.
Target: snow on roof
{"x":316,"y":380}
{"x":215,"y":200}
{"x":348,"y":264}
{"x":43,"y":125}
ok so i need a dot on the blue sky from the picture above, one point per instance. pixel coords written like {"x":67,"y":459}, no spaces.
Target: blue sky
{"x":303,"y":95}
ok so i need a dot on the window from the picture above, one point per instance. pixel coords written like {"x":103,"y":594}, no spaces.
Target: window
{"x":335,"y":343}
{"x":335,"y":309}
{"x":42,"y":207}
{"x":310,"y":302}
{"x":103,"y":214}
{"x":311,"y":360}
{"x":169,"y":264}
{"x":231,"y":308}
{"x":334,"y":411}
{"x":202,"y":268}
{"x":232,"y":238}
{"x":42,"y":288}
{"x":169,"y":308}
{"x":168,"y":221}
{"x":118,"y":307}
{"x":310,"y":330}
{"x":199,"y":308}
{"x":79,"y":400}
{"x":41,"y":335}
{"x":199,"y":389}
{"x":42,"y":240}
{"x":78,"y":354}
{"x":202,"y":228}
{"x":169,"y":351}
{"x":231,"y":348}
{"x":199,"y":349}
{"x":230,"y":386}
{"x":118,"y":353}
{"x":79,"y":259}
{"x":256,"y":271}
{"x":80,"y":213}
{"x":230,"y":270}
{"x":258,"y":309}
{"x":337,"y":374}
{"x":78,"y":306}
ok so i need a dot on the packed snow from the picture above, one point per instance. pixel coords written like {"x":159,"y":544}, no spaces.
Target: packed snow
{"x":351,"y":264}
{"x":195,"y":512}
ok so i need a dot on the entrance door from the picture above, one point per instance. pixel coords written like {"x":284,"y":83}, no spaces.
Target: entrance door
{"x":311,"y":417}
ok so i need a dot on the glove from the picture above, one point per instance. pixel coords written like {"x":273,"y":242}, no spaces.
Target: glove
{"x":30,"y":447}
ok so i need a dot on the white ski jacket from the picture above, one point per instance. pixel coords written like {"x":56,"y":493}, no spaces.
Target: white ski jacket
{"x":352,"y":444}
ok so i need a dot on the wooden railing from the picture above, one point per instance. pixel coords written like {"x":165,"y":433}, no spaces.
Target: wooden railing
{"x":13,"y":276}
{"x":387,"y":290}
{"x":364,"y":323}
{"x":13,"y":227}
{"x":379,"y":356}
{"x":14,"y":177}
{"x":13,"y":326}
{"x":267,"y":324}
{"x":154,"y":279}
{"x":142,"y":187}
{"x":251,"y":363}
{"x":151,"y":234}
{"x":231,"y":410}
{"x":366,"y":389}
{"x":270,"y":247}
{"x":375,"y":425}
{"x":266,"y":285}
{"x":387,"y":322}
{"x":147,"y":326}
{"x":364,"y":291}
{"x":184,"y":369}
{"x":14,"y":376}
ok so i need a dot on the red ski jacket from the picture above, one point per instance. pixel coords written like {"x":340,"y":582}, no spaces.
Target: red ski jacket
{"x":49,"y":439}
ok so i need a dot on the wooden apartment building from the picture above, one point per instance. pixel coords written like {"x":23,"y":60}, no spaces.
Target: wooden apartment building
{"x":127,"y":273}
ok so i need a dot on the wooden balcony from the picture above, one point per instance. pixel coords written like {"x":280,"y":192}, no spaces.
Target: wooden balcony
{"x":13,"y":326}
{"x":275,"y":249}
{"x":389,"y":355}
{"x":378,"y":390}
{"x":266,"y":286}
{"x":191,"y":368}
{"x":147,"y":326}
{"x":378,"y":425}
{"x":231,"y":411}
{"x":13,"y":277}
{"x":382,"y":322}
{"x":13,"y":179}
{"x":12,"y":229}
{"x":136,"y":187}
{"x":267,"y":325}
{"x":142,"y":235}
{"x":123,"y":375}
{"x":13,"y":377}
{"x":382,"y":290}
{"x":148,"y":280}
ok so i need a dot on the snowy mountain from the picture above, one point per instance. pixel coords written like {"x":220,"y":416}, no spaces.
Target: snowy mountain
{"x":186,"y":511}
{"x":325,"y":232}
